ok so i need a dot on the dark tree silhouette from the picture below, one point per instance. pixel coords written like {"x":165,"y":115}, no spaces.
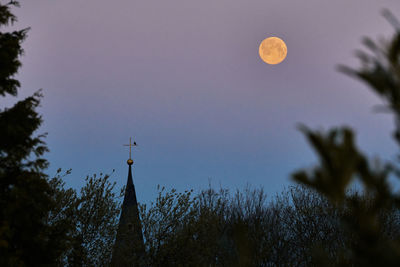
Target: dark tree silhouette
{"x":92,"y":216}
{"x":341,"y":162}
{"x":25,"y":195}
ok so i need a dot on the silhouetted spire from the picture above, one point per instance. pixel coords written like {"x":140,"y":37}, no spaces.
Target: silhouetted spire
{"x":129,"y":246}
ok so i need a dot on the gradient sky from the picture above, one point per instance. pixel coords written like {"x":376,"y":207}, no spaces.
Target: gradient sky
{"x":184,"y":79}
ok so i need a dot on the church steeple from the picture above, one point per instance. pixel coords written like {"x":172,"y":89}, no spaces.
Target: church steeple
{"x":129,"y":246}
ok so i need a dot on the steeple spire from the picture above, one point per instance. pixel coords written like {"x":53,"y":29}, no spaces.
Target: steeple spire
{"x":129,"y":246}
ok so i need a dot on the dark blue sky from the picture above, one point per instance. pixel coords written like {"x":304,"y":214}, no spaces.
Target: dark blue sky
{"x":184,"y":79}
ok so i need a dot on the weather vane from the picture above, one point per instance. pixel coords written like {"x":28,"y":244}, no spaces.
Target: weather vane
{"x":130,"y":161}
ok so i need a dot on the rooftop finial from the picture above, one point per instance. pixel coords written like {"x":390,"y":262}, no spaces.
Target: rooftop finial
{"x":130,"y":161}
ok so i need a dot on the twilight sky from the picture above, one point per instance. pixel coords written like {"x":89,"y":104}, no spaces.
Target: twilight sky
{"x":184,"y":79}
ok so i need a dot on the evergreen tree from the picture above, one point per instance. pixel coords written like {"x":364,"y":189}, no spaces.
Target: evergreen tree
{"x":26,"y":239}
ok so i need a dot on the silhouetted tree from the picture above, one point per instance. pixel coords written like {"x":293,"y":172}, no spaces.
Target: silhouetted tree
{"x":93,"y":217}
{"x":369,"y":217}
{"x":215,"y":228}
{"x":25,"y":195}
{"x":299,"y":227}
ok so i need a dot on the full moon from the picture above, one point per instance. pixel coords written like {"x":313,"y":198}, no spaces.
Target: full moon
{"x":272,"y":50}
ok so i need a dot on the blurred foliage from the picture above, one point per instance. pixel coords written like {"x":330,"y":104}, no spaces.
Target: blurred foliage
{"x":342,"y":163}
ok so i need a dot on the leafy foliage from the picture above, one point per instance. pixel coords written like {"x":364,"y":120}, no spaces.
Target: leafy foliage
{"x":92,"y":216}
{"x":215,"y":228}
{"x":341,"y":163}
